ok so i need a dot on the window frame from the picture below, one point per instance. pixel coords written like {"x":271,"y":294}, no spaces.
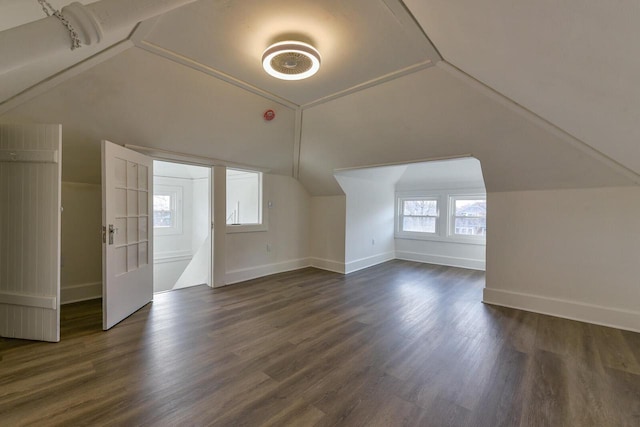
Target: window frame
{"x":262,"y":212}
{"x":451,"y":234}
{"x":400,"y":199}
{"x":176,"y":194}
{"x":444,"y":222}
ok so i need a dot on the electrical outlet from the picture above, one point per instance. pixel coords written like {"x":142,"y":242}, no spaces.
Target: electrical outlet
{"x":373,"y":242}
{"x":268,"y":247}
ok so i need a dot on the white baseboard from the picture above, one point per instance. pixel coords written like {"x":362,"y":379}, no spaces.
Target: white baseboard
{"x":327,"y":264}
{"x":370,"y":261}
{"x":81,"y":292}
{"x":243,"y":274}
{"x":176,"y":256}
{"x":590,"y":313}
{"x":472,"y":264}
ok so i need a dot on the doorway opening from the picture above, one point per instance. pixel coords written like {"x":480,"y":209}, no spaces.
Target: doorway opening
{"x":181,"y":226}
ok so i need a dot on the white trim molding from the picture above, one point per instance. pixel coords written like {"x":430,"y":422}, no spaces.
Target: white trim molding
{"x":472,"y":264}
{"x":327,"y":264}
{"x":574,"y":310}
{"x":80,"y":292}
{"x":25,"y":300}
{"x":172,"y":256}
{"x":240,"y":275}
{"x":366,"y":262}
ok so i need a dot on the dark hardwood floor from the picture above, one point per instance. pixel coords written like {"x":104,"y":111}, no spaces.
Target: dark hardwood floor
{"x":397,"y":344}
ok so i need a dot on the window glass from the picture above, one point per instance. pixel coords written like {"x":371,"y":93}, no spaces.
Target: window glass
{"x":420,"y":207}
{"x":419,"y":224}
{"x":167,"y":208}
{"x":244,"y":197}
{"x":419,"y":215}
{"x":162,"y":212}
{"x":470,"y":217}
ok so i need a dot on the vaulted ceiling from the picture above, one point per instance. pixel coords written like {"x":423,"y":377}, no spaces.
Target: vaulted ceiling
{"x":543,"y":93}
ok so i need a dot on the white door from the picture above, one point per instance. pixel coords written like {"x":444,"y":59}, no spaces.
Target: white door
{"x":127,"y":248}
{"x":30,"y":167}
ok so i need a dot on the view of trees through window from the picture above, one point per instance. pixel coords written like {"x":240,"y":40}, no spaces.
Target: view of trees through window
{"x":419,"y":215}
{"x":470,"y":217}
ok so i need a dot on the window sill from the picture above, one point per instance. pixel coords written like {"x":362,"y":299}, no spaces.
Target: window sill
{"x":246,"y":228}
{"x":166,"y":231}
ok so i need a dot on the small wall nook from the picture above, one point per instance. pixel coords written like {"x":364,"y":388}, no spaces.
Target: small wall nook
{"x":433,"y":212}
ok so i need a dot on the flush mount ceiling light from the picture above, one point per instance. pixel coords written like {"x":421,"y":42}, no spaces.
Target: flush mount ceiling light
{"x":291,"y":60}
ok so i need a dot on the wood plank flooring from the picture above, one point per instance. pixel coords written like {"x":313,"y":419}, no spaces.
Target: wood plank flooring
{"x":399,"y":344}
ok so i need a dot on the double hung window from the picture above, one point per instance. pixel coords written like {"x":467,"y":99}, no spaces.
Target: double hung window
{"x":442,"y":215}
{"x":469,"y":216}
{"x":418,"y":215}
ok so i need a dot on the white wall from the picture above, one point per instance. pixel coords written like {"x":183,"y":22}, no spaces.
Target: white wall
{"x":327,"y":232}
{"x":463,"y":255}
{"x":369,"y":222}
{"x":284,"y":245}
{"x":201,"y":223}
{"x":569,"y":253}
{"x":81,"y":272}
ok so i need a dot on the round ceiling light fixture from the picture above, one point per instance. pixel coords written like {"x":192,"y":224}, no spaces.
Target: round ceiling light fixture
{"x":291,"y":60}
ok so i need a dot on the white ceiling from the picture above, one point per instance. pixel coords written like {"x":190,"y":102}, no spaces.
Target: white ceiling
{"x":438,"y":174}
{"x":194,"y":84}
{"x":18,"y":12}
{"x":359,"y":40}
{"x":138,"y":98}
{"x":574,"y":62}
{"x":432,"y":114}
{"x":179,"y":170}
{"x":454,"y":173}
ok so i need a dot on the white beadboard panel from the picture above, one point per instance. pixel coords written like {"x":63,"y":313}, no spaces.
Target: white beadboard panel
{"x":30,"y":172}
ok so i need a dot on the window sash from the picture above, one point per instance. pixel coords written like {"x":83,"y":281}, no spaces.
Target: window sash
{"x":402,"y":215}
{"x":175,"y":195}
{"x":455,"y":216}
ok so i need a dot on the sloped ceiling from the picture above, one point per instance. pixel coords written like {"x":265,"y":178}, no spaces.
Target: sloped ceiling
{"x":438,"y":174}
{"x":431,"y":114}
{"x":194,"y":84}
{"x":139,"y":98}
{"x":576,"y":63}
{"x":18,"y":12}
